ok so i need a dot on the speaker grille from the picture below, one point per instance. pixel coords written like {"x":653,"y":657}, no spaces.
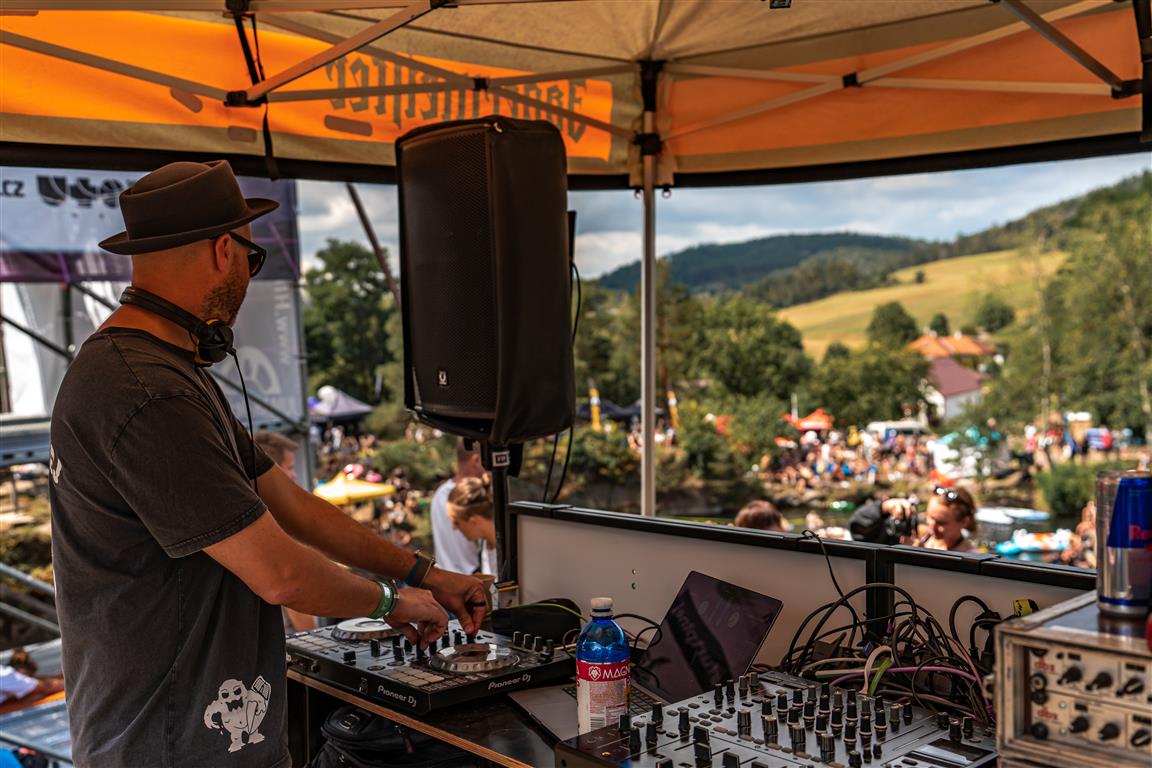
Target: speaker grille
{"x":448,"y":274}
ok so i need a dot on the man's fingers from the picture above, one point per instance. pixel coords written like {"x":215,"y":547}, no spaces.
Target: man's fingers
{"x":409,"y":632}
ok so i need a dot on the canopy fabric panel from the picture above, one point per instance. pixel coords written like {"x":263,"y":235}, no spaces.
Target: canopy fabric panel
{"x":740,"y":85}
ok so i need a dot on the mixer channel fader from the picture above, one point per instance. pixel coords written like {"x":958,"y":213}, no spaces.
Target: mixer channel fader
{"x":772,"y":720}
{"x":371,"y":658}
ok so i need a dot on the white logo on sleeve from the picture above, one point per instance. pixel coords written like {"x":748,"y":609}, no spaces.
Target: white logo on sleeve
{"x":238,"y":711}
{"x":55,"y":466}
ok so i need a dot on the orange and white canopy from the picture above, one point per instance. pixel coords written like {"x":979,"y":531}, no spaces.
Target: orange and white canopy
{"x":732,"y":86}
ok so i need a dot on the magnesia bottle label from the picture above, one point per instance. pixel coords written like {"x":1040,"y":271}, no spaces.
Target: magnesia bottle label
{"x":601,"y":693}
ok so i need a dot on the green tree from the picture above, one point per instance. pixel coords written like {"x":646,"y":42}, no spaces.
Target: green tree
{"x":836,"y":349}
{"x":892,"y":327}
{"x":873,"y":384}
{"x":994,"y":313}
{"x":748,"y":351}
{"x":939,"y":324}
{"x":345,"y":320}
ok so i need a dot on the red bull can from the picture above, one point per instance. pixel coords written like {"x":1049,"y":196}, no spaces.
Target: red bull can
{"x":1124,"y":543}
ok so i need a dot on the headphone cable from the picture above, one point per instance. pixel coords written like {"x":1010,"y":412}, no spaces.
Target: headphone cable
{"x":251,"y":430}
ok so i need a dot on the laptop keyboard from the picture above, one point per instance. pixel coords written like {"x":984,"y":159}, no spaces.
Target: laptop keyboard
{"x":639,"y":703}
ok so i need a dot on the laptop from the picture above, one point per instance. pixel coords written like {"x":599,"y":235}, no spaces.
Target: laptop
{"x":711,"y":633}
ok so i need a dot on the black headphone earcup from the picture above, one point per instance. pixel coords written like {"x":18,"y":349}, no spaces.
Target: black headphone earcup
{"x":213,"y":342}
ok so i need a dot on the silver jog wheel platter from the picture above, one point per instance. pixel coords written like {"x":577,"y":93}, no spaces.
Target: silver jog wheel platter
{"x":364,"y":629}
{"x":473,"y":657}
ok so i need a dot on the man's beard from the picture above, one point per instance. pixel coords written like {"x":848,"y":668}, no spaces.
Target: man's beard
{"x":223,"y":302}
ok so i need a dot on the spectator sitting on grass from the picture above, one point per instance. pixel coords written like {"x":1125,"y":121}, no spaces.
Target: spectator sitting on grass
{"x":760,"y":514}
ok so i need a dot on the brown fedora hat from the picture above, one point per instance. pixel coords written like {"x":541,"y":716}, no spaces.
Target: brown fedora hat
{"x":180,"y":204}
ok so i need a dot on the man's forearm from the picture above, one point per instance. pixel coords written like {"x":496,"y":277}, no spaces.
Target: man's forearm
{"x":346,"y":541}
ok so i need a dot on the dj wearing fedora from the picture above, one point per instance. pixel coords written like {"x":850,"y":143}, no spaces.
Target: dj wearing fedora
{"x":175,"y":539}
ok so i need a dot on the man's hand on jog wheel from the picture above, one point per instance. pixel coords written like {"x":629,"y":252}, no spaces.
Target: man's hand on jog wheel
{"x":418,"y":616}
{"x":463,"y":595}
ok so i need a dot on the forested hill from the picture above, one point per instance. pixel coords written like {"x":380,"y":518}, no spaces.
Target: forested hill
{"x":731,"y":266}
{"x":791,"y":269}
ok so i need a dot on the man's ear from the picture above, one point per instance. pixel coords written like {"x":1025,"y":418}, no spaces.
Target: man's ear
{"x":221,"y":252}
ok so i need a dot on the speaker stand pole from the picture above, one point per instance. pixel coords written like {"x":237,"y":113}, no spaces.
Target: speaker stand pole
{"x":497,"y":459}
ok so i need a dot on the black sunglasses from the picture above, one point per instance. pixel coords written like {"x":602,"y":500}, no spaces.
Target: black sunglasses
{"x":947,"y":493}
{"x":256,"y":254}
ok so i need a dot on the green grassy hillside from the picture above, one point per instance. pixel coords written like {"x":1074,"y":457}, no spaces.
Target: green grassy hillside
{"x":953,"y":286}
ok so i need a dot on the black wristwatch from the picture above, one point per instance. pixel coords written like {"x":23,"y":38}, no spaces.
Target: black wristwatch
{"x":420,"y":570}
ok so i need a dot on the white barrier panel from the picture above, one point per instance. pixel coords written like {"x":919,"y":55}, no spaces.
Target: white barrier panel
{"x":643,"y":570}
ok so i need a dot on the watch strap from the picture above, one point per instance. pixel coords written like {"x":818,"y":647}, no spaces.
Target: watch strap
{"x":419,"y":571}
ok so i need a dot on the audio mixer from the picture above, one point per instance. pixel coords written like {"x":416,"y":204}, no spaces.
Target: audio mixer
{"x":1073,"y":689}
{"x":373,"y":659}
{"x":772,"y":720}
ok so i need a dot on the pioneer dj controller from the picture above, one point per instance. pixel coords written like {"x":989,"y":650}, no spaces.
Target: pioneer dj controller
{"x":370,"y":657}
{"x":771,"y":720}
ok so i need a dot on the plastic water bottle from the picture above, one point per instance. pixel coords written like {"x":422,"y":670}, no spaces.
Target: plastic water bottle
{"x":602,"y":674}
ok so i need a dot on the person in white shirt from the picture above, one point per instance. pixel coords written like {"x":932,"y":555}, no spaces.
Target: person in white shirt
{"x":471,"y":510}
{"x":454,"y":552}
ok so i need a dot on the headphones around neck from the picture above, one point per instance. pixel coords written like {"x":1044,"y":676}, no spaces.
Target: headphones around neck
{"x":211,"y":338}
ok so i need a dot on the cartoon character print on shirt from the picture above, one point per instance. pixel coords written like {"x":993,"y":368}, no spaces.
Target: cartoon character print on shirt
{"x":238,"y":710}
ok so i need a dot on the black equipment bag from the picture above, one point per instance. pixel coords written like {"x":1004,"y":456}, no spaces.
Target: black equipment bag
{"x":485,"y":270}
{"x":359,"y":739}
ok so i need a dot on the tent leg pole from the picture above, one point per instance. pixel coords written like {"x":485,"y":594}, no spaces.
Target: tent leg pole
{"x":648,"y":333}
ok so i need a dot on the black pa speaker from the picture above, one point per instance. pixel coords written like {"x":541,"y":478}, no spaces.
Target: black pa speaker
{"x":485,"y":276}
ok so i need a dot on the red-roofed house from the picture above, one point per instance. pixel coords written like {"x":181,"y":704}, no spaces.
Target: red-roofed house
{"x":952,"y":387}
{"x":957,"y":345}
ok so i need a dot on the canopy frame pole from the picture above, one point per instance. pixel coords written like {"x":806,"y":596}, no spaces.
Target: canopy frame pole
{"x":866,"y":75}
{"x":856,"y":79}
{"x":256,"y":93}
{"x":1063,"y":42}
{"x":650,"y":145}
{"x":1143,"y":11}
{"x":110,"y":65}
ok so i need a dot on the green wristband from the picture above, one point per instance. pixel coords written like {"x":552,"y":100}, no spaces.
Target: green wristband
{"x":387,"y":600}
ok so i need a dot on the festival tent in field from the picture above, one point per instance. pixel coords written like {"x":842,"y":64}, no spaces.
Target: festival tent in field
{"x":647,"y":93}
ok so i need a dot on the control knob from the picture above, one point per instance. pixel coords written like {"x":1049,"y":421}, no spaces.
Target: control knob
{"x":770,"y":729}
{"x":827,"y":744}
{"x":650,"y":735}
{"x":625,"y":722}
{"x":821,"y":721}
{"x":850,"y":734}
{"x":684,"y":725}
{"x":854,"y":760}
{"x":634,"y":740}
{"x":809,"y":713}
{"x":881,"y":720}
{"x":897,"y":713}
{"x":731,"y":760}
{"x":1133,"y":686}
{"x":954,"y":730}
{"x":374,"y":647}
{"x":665,"y":763}
{"x":730,"y":690}
{"x":793,"y":717}
{"x":397,"y":653}
{"x":850,"y":713}
{"x":743,"y":686}
{"x":1079,"y":725}
{"x":908,"y":714}
{"x":700,"y":734}
{"x":703,"y":754}
{"x":744,"y":722}
{"x":1101,"y":681}
{"x":782,"y":701}
{"x":1071,"y":675}
{"x":837,"y":720}
{"x":445,"y":641}
{"x":969,"y":726}
{"x":1108,"y":732}
{"x":349,"y":657}
{"x":1039,"y":731}
{"x":516,"y":638}
{"x":1142,"y":738}
{"x":718,"y":694}
{"x":799,"y":739}
{"x":657,"y":712}
{"x":797,"y":696}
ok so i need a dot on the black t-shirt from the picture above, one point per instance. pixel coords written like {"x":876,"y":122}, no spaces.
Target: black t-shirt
{"x":170,"y":660}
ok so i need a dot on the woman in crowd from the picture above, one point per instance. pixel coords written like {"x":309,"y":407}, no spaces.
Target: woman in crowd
{"x":950,"y":521}
{"x":472,"y":513}
{"x":760,"y":514}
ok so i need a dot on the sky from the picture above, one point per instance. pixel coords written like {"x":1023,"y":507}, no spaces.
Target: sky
{"x":934,"y":206}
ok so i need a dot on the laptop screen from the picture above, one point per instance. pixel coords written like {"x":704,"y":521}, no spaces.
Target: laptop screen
{"x":711,"y":634}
